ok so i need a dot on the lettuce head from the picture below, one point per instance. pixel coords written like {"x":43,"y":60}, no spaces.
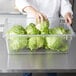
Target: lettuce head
{"x":43,"y":27}
{"x":15,"y":41}
{"x":36,"y":42}
{"x":31,"y":29}
{"x":56,"y":43}
{"x":59,"y":30}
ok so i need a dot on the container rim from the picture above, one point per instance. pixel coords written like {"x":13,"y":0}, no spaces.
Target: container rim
{"x":44,"y":35}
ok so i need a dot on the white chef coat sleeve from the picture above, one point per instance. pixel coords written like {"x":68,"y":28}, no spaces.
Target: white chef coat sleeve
{"x":66,"y":7}
{"x":20,"y":4}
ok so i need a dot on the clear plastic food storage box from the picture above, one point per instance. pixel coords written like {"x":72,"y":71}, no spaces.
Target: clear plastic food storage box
{"x":37,"y":43}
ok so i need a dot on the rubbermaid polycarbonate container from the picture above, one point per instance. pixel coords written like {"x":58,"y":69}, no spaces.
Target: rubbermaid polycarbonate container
{"x":64,"y":40}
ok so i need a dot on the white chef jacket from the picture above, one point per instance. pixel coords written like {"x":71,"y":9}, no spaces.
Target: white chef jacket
{"x":50,"y":8}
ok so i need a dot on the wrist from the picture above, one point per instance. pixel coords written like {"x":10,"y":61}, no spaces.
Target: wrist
{"x":30,"y":9}
{"x":68,"y":14}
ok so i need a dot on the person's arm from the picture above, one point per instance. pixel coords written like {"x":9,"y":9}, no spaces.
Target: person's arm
{"x":24,"y":6}
{"x":66,"y":11}
{"x":37,"y":14}
{"x":20,"y":4}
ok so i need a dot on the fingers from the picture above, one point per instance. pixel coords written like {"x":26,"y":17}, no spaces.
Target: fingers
{"x":40,"y":17}
{"x":68,"y":18}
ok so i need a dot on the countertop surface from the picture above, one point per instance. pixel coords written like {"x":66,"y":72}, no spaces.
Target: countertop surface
{"x":37,"y":63}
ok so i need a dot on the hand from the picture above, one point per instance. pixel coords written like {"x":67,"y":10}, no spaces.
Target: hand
{"x":68,"y":18}
{"x":38,"y":15}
